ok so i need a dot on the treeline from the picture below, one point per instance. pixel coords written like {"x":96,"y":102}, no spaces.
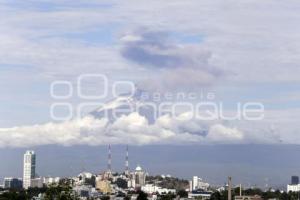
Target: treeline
{"x":57,"y":192}
{"x":168,"y":182}
{"x":256,"y":191}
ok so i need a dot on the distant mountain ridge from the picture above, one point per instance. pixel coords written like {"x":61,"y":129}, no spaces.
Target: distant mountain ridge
{"x":126,"y":104}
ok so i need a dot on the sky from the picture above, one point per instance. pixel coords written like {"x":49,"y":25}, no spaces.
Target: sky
{"x":240,"y":51}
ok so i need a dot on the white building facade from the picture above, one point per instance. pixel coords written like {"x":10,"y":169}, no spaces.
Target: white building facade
{"x":150,"y":189}
{"x":293,"y":188}
{"x":140,"y":177}
{"x":51,"y":180}
{"x":198,"y":183}
{"x":29,"y":165}
{"x":36,"y":182}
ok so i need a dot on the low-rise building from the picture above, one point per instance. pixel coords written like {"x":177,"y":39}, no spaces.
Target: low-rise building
{"x":197,"y":183}
{"x":36,"y":182}
{"x":86,"y":191}
{"x":104,"y":186}
{"x":293,"y":188}
{"x":12,"y":183}
{"x":83,"y":178}
{"x":199,"y":194}
{"x":255,"y":197}
{"x":50,"y":180}
{"x":150,"y":189}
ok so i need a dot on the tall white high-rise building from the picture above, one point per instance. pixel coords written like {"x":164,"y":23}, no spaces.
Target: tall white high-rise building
{"x":195,"y":182}
{"x":28,"y":168}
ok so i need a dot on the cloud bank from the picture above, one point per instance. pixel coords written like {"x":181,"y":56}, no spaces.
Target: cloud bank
{"x":130,"y":129}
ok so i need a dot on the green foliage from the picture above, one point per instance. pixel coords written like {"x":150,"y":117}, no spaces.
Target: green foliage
{"x":216,"y":196}
{"x":13,"y":195}
{"x":105,"y":198}
{"x":142,"y":196}
{"x":121,"y":183}
{"x":21,"y":194}
{"x":61,"y":192}
{"x":168,"y":182}
{"x":167,"y":197}
{"x":255,"y":191}
{"x":127,"y":198}
{"x":182,"y":193}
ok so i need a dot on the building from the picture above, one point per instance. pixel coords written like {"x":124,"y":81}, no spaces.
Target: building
{"x":12,"y":183}
{"x":131,"y":182}
{"x":255,"y":197}
{"x":199,"y":194}
{"x":198,"y":183}
{"x":294,"y":180}
{"x":140,"y":177}
{"x":294,"y":186}
{"x":195,"y":182}
{"x":86,"y":192}
{"x":104,"y":186}
{"x":29,"y":165}
{"x":39,"y":197}
{"x":51,"y":180}
{"x":151,"y":189}
{"x":84,"y":178}
{"x":36,"y":182}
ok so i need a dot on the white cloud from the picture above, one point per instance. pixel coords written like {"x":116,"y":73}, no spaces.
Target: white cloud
{"x":220,"y":133}
{"x":130,"y":38}
{"x":132,"y":129}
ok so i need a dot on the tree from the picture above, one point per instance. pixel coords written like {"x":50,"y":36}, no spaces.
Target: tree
{"x":216,"y":196}
{"x":121,"y":183}
{"x":182,"y":193}
{"x":127,"y":198}
{"x":284,"y":196}
{"x":61,"y":192}
{"x":167,"y":196}
{"x":105,"y":198}
{"x":142,"y":196}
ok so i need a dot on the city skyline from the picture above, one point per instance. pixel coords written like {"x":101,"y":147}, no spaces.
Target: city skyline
{"x":239,"y":168}
{"x":130,"y":184}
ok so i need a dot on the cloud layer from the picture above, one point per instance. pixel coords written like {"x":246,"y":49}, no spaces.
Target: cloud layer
{"x":135,"y":129}
{"x":131,"y":129}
